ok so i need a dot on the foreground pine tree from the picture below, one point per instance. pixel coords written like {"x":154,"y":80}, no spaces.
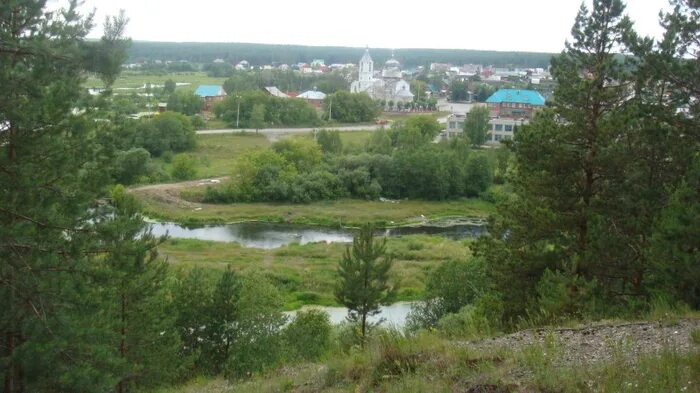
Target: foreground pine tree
{"x":594,"y":170}
{"x":363,"y":278}
{"x":81,"y":298}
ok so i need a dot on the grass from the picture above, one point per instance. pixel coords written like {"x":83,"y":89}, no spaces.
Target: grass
{"x":398,"y":116}
{"x":427,"y":363}
{"x":342,"y":212}
{"x":306,"y":274}
{"x":216,"y":153}
{"x":136,"y":79}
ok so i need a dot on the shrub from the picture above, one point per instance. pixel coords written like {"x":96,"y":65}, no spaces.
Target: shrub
{"x":307,"y":337}
{"x":562,"y":295}
{"x":184,"y":167}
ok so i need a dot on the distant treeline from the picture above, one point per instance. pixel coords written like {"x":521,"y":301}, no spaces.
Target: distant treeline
{"x":258,"y":54}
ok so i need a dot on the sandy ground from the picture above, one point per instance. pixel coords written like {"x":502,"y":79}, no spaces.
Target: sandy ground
{"x":169,"y":193}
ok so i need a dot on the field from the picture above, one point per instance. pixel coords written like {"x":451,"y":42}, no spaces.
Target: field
{"x":216,"y":153}
{"x":305,"y":274}
{"x":137,"y":79}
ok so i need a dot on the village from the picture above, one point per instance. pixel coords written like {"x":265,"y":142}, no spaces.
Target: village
{"x":510,"y":93}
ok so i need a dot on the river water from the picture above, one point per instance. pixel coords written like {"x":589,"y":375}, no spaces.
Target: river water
{"x":272,"y":235}
{"x":391,"y":315}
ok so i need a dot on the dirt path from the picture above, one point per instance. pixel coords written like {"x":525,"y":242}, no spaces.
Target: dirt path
{"x":169,"y":193}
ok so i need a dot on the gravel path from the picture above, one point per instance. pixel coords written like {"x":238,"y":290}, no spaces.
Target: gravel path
{"x":592,"y":344}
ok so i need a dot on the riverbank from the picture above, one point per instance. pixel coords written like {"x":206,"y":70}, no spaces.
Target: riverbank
{"x":165,"y":202}
{"x":306,"y":274}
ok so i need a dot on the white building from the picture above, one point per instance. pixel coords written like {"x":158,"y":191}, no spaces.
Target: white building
{"x":499,"y":129}
{"x":390,"y":86}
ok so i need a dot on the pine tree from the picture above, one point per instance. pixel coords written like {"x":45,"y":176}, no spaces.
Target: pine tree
{"x":143,"y":316}
{"x":52,"y":170}
{"x":566,"y":165}
{"x":363,"y":278}
{"x":192,"y":300}
{"x":223,"y":320}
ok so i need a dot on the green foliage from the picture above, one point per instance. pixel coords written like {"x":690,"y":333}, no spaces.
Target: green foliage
{"x":140,"y":307}
{"x":476,"y":125}
{"x":130,"y":165}
{"x":169,"y":87}
{"x":363,"y":278}
{"x":562,"y":295}
{"x":223,"y":314}
{"x":483,"y":92}
{"x":304,"y":154}
{"x":184,"y":167}
{"x":258,"y":335}
{"x":330,"y":141}
{"x":67,"y":261}
{"x":450,"y":287}
{"x":379,"y":142}
{"x":185,"y":102}
{"x":675,"y":248}
{"x":350,"y":107}
{"x":275,"y":111}
{"x":478,"y":175}
{"x":308,"y":336}
{"x":257,"y":116}
{"x":469,"y":322}
{"x":192,"y":297}
{"x":170,"y":131}
{"x":458,"y":91}
{"x":583,"y":201}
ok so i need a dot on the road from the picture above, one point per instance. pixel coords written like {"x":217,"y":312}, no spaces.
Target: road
{"x":275,"y":133}
{"x":272,"y":132}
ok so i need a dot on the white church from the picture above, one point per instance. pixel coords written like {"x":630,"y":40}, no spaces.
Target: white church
{"x":389,"y":86}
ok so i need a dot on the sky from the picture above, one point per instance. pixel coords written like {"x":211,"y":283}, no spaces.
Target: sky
{"x":506,"y":25}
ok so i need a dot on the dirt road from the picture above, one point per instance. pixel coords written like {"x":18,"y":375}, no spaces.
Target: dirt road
{"x":170,"y":192}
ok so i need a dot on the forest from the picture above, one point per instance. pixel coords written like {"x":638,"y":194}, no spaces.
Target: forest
{"x":261,"y":54}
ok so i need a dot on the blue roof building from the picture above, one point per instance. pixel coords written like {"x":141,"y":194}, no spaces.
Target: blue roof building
{"x":530,"y":97}
{"x":514,"y":104}
{"x":210,"y":91}
{"x":211,"y":94}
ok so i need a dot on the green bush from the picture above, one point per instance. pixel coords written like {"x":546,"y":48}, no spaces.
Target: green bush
{"x":561,"y":296}
{"x":167,"y":156}
{"x":308,"y":336}
{"x":184,"y":167}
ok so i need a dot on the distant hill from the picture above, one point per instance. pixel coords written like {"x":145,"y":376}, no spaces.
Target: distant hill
{"x":259,"y":54}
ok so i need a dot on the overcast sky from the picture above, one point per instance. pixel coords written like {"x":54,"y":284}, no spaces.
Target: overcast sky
{"x":534,"y":25}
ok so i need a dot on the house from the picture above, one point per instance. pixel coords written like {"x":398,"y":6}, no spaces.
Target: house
{"x":516,"y":104}
{"x":274,"y":91}
{"x":211,"y":95}
{"x":313,"y":97}
{"x":508,"y":110}
{"x":243,"y":65}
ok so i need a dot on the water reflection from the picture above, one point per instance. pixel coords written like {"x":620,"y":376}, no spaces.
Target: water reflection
{"x":392,"y":315}
{"x":269,"y":235}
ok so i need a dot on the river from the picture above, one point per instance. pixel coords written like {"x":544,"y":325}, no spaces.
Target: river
{"x":272,"y":235}
{"x":393,"y":315}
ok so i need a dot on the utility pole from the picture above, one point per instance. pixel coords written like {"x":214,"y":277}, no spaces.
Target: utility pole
{"x":238,"y":111}
{"x":330,"y":109}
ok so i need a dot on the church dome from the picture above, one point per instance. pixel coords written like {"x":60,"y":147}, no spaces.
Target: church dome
{"x":392,"y":63}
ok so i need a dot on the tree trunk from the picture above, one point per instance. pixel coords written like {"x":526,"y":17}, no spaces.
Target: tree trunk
{"x":122,"y":343}
{"x":9,"y":373}
{"x":364,"y":327}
